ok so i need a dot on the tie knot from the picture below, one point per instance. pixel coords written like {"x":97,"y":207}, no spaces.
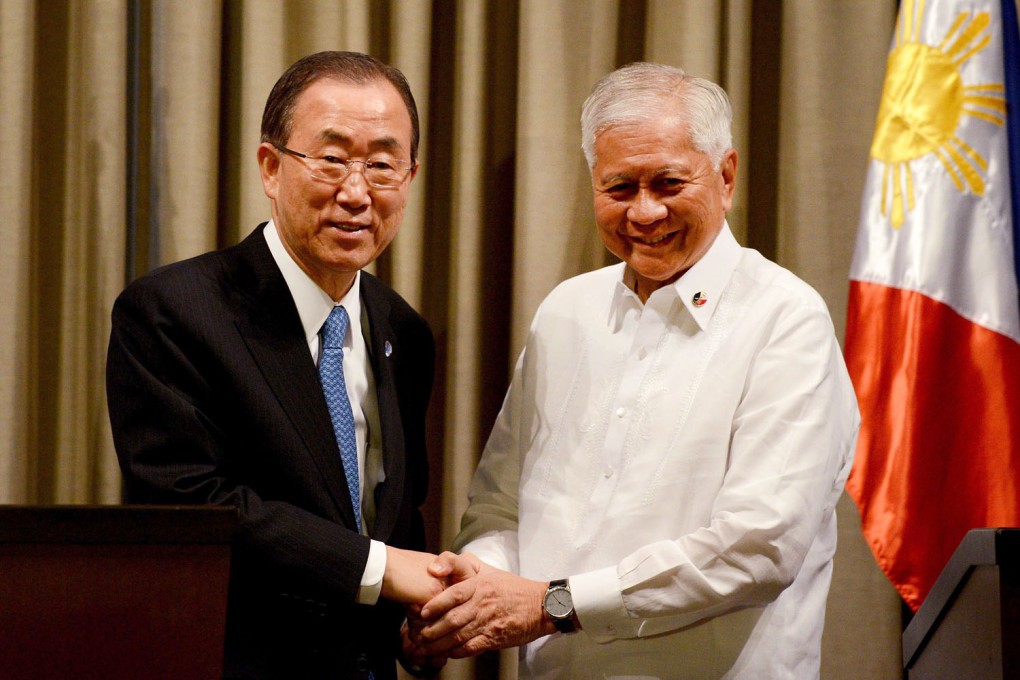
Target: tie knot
{"x":335,"y":328}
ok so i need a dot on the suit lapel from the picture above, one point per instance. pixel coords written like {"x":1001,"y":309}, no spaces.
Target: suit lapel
{"x":272,"y":331}
{"x":382,"y":343}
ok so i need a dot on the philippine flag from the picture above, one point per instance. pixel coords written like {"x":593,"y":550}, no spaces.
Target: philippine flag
{"x":933,"y":328}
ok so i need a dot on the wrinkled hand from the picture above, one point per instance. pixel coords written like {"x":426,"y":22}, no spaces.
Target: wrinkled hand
{"x":448,"y":569}
{"x":492,"y":609}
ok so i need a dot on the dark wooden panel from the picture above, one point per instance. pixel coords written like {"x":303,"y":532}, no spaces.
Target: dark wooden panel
{"x":113,"y":592}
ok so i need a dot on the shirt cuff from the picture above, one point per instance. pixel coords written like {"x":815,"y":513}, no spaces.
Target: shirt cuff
{"x":371,"y":580}
{"x":491,"y":548}
{"x":598,"y":602}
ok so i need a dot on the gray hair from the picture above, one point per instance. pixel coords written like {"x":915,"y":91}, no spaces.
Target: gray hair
{"x":638,"y":92}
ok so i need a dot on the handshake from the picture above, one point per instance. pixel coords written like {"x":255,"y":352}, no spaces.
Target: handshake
{"x":458,"y":606}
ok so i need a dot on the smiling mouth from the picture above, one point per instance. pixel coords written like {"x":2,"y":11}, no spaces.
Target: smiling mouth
{"x":654,"y":241}
{"x":350,"y":227}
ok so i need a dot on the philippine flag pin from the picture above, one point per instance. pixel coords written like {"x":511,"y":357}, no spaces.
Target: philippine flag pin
{"x":699,"y":299}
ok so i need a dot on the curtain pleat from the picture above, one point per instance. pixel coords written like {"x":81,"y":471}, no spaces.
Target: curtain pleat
{"x":554,"y":237}
{"x":688,"y":32}
{"x":735,"y":73}
{"x":185,"y":127}
{"x":105,"y":177}
{"x":410,"y":33}
{"x":18,"y":358}
{"x":93,"y":256}
{"x":829,"y":103}
{"x":263,"y":53}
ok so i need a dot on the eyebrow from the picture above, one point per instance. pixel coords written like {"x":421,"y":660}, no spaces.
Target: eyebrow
{"x":629,"y":176}
{"x":385,"y":143}
{"x":612,"y":179}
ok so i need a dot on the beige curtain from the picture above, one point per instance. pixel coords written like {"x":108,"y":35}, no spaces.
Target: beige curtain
{"x":128,"y":131}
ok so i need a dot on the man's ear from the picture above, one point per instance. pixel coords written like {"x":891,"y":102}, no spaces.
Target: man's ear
{"x":269,"y":168}
{"x":728,"y":170}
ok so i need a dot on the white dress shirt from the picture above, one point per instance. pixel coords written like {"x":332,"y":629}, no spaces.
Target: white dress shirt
{"x":314,"y":306}
{"x":680,"y":462}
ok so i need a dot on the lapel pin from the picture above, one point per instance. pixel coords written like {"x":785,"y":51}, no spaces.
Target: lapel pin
{"x":387,"y":348}
{"x":699,"y":299}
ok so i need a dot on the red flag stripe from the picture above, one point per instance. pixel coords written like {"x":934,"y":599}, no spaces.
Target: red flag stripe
{"x":930,"y":382}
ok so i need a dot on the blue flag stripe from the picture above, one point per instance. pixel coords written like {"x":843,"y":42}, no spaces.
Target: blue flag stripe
{"x":1011,"y":68}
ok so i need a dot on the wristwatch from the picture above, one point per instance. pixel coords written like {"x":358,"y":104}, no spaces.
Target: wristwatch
{"x":559,"y":605}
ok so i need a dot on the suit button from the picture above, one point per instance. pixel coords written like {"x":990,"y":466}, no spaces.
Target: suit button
{"x":361,"y":664}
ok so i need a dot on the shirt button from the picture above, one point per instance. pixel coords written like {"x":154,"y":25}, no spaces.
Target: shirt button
{"x":642,"y":353}
{"x":621,"y":412}
{"x":608,"y":472}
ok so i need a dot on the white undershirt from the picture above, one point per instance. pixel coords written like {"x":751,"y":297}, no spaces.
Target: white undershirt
{"x":314,"y":306}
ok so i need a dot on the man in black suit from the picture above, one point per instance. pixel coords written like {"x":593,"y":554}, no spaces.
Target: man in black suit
{"x":215,"y":394}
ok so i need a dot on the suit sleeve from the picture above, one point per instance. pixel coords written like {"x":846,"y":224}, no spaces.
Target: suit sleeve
{"x":188,"y":429}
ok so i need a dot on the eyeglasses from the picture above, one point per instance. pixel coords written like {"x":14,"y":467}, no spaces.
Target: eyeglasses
{"x":381,"y":173}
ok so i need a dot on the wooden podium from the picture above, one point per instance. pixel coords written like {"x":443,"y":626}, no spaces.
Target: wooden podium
{"x":113,"y":591}
{"x":969,"y":625}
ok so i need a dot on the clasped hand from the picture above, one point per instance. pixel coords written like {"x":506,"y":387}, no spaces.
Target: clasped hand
{"x":481,"y":609}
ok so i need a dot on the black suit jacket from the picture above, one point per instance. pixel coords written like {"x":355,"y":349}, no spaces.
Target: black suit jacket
{"x":214,"y":398}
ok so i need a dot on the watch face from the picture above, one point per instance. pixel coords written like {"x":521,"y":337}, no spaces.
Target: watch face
{"x":558,"y":603}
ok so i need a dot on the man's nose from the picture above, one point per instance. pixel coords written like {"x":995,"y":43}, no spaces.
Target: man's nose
{"x":646,"y":208}
{"x":353,"y":189}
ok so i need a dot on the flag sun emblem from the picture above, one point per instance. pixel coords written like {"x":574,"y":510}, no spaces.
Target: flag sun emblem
{"x":923,"y":99}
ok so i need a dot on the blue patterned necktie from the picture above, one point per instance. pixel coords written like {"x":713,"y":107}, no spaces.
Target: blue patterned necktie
{"x":331,"y":374}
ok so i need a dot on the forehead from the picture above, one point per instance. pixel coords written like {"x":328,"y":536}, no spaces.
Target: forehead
{"x":335,"y":109}
{"x":644,"y":145}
